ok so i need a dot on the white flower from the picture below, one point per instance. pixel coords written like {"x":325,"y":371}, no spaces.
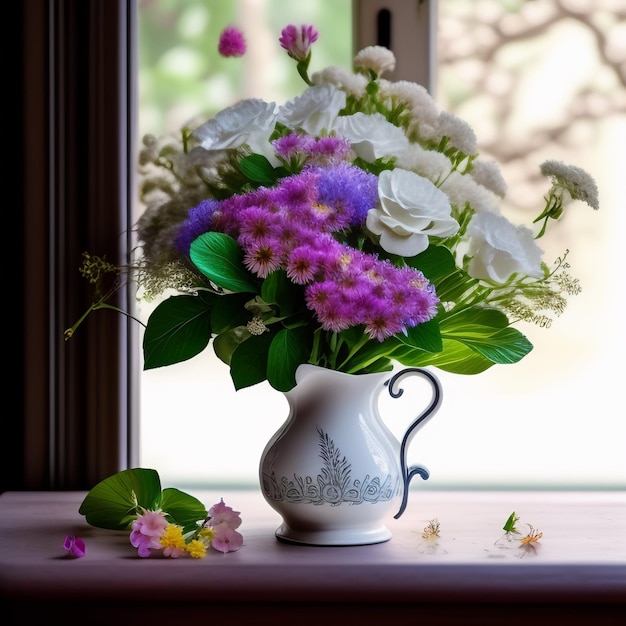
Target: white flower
{"x":352,"y":84}
{"x":315,"y":110}
{"x":462,"y":188}
{"x":411,"y":208}
{"x":434,"y":165}
{"x":375,"y":58}
{"x":372,"y":136}
{"x":576,"y":181}
{"x":249,"y":122}
{"x":499,"y":248}
{"x":488,"y":174}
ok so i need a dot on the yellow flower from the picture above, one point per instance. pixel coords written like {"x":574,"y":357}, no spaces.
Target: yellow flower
{"x":173,"y":537}
{"x":196,"y":549}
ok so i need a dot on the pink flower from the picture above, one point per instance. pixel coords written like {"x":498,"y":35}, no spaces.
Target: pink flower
{"x":146,"y":532}
{"x":226,"y":538}
{"x":231,"y":43}
{"x":75,"y":546}
{"x":222,"y":514}
{"x":297,"y":41}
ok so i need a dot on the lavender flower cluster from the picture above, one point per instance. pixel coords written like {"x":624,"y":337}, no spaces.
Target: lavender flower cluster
{"x":296,"y":226}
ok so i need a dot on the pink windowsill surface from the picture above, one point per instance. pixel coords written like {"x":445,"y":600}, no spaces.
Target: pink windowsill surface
{"x":581,"y":557}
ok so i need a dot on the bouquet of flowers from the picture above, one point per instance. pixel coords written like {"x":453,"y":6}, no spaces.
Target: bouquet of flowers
{"x":354,"y":227}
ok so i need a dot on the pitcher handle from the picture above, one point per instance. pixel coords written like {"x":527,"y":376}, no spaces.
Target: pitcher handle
{"x":409,"y":472}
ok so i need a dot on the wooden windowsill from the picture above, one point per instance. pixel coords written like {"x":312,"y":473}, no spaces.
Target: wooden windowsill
{"x":580,"y":562}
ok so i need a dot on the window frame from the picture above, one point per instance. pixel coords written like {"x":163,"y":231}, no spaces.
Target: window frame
{"x":76,"y":116}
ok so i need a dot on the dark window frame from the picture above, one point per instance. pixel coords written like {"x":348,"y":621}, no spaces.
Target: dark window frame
{"x":76,"y":117}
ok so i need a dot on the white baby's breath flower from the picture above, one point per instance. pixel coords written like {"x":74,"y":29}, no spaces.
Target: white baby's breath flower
{"x":249,"y":122}
{"x":576,"y":181}
{"x":460,"y":134}
{"x":411,"y":209}
{"x":376,"y":59}
{"x":315,"y":110}
{"x":372,"y":136}
{"x":487,"y":174}
{"x":352,"y":84}
{"x":431,"y":164}
{"x":415,"y":98}
{"x":499,"y":249}
{"x":462,"y":188}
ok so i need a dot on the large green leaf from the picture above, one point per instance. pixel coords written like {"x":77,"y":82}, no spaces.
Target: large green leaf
{"x":177,"y":330}
{"x":220,"y":259}
{"x":426,"y":336}
{"x":112,"y":503}
{"x":290,"y":347}
{"x":248,"y":363}
{"x":182,"y":508}
{"x":455,"y":357}
{"x":229,"y":311}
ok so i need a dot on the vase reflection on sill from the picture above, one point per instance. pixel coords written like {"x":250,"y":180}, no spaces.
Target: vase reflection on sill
{"x":334,"y":471}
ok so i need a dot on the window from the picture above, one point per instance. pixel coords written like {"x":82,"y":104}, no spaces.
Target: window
{"x":535,"y":80}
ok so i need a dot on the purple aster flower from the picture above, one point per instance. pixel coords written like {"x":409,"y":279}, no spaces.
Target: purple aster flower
{"x":348,"y":188}
{"x":198,"y":222}
{"x":297,"y":41}
{"x":231,"y":43}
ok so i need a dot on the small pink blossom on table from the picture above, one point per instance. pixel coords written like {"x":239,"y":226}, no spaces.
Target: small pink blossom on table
{"x":74,"y":546}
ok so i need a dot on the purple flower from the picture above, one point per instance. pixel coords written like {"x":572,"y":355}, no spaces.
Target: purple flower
{"x":231,"y":43}
{"x":198,"y":222}
{"x":147,"y":531}
{"x":297,"y":41}
{"x":74,"y":546}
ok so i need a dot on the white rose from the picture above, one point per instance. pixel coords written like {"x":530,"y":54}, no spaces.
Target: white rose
{"x":249,"y":122}
{"x":372,"y":136}
{"x":411,"y":208}
{"x":499,"y":248}
{"x":314,"y":110}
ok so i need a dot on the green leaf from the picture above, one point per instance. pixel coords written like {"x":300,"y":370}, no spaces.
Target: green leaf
{"x":279,"y":290}
{"x":258,"y":169}
{"x":220,"y":259}
{"x":229,"y":311}
{"x":506,"y":346}
{"x":248,"y":363}
{"x":455,"y":357}
{"x":426,"y":336}
{"x":436,"y":262}
{"x":290,"y":347}
{"x":182,"y":509}
{"x":177,"y":330}
{"x":227,"y":342}
{"x":113,"y":502}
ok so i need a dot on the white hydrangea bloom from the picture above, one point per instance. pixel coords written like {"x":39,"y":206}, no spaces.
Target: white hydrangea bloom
{"x":315,"y":110}
{"x":462,"y":188}
{"x":249,"y":122}
{"x":499,"y":248}
{"x":372,"y":136}
{"x":411,"y":209}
